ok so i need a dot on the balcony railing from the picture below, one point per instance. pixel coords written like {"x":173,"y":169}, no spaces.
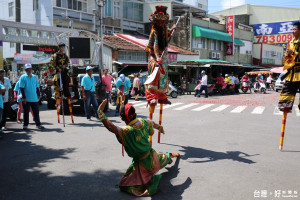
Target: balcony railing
{"x":76,"y":15}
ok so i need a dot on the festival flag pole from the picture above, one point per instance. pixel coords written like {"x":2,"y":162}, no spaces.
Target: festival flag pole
{"x":282,"y":129}
{"x":57,"y":109}
{"x":159,"y":121}
{"x":70,"y":109}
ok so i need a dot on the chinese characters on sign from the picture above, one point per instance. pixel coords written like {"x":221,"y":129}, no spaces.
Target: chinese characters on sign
{"x":230,"y":31}
{"x":273,"y":33}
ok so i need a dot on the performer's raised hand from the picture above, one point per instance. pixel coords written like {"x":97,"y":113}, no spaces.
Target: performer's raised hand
{"x":102,"y":105}
{"x":174,"y":27}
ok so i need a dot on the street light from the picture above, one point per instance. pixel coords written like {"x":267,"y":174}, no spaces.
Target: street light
{"x":70,"y":20}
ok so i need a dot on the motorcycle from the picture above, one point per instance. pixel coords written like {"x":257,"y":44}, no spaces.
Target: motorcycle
{"x":113,"y":94}
{"x":245,"y":87}
{"x":225,"y":89}
{"x":172,"y":91}
{"x":210,"y":89}
{"x":260,"y":86}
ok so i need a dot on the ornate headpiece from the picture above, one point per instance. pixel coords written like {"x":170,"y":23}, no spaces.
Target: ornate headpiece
{"x":160,"y":13}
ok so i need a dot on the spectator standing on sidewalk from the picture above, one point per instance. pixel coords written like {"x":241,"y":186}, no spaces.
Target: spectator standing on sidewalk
{"x":237,"y":84}
{"x":88,"y":93}
{"x":136,"y":86}
{"x":18,"y":96}
{"x":31,"y":95}
{"x":123,"y":86}
{"x":106,"y":79}
{"x":7,"y":98}
{"x":203,"y":84}
{"x":2,"y":91}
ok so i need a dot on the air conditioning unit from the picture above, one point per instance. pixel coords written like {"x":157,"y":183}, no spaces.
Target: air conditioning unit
{"x":198,"y":52}
{"x":218,"y":56}
{"x":212,"y":54}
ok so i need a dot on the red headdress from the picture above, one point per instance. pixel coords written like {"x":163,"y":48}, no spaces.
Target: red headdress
{"x":160,"y":13}
{"x":129,"y":115}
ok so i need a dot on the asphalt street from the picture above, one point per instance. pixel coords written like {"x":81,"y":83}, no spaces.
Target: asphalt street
{"x":228,"y":146}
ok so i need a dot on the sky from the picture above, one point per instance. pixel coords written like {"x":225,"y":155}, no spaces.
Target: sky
{"x":217,"y":5}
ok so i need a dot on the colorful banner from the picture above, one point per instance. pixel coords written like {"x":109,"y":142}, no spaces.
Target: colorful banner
{"x":230,"y":31}
{"x":278,"y":33}
{"x":31,"y":58}
{"x":1,"y":54}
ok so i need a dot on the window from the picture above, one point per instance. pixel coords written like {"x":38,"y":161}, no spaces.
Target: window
{"x":199,"y":43}
{"x":212,"y":44}
{"x":117,"y":9}
{"x":11,"y":9}
{"x":35,"y":5}
{"x":107,"y":8}
{"x":80,"y":5}
{"x":236,"y":49}
{"x":133,"y":11}
{"x":131,"y":56}
{"x":218,"y":45}
{"x":11,"y":45}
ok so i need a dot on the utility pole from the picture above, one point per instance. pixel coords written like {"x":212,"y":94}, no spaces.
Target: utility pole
{"x":99,"y":13}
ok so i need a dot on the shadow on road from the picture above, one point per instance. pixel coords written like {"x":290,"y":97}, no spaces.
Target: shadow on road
{"x":194,"y":154}
{"x":168,"y":191}
{"x":23,"y":174}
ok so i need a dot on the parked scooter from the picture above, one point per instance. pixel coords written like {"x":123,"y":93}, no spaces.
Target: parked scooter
{"x":210,"y":89}
{"x":245,"y":87}
{"x":172,"y":91}
{"x":113,"y":94}
{"x":260,"y":87}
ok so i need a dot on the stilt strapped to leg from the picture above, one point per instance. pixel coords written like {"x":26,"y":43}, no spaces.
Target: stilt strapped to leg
{"x":282,"y":129}
{"x":159,"y":121}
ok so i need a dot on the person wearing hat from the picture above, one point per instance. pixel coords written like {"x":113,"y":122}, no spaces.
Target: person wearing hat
{"x":7,"y":98}
{"x":60,"y":61}
{"x":227,"y":80}
{"x":220,"y":81}
{"x":123,"y":86}
{"x":29,"y":87}
{"x":140,"y":178}
{"x":203,"y":84}
{"x":156,"y":83}
{"x":88,"y":92}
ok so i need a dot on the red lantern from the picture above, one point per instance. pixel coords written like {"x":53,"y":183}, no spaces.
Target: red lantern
{"x":161,"y":13}
{"x":50,"y":70}
{"x":45,"y":74}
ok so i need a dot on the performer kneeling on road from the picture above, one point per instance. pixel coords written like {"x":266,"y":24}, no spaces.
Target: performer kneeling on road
{"x":140,"y":178}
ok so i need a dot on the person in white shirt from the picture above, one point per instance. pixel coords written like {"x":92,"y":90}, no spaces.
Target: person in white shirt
{"x":203,"y":84}
{"x":7,"y":98}
{"x":232,"y":78}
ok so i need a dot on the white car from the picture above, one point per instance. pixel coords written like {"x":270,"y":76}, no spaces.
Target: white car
{"x":279,"y":83}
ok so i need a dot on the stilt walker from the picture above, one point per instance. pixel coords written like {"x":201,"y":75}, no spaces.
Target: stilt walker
{"x":156,"y":83}
{"x":62,"y":99}
{"x":292,"y":78}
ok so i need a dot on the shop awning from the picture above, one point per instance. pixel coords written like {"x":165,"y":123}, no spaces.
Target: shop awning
{"x":259,"y":72}
{"x":238,"y":42}
{"x":214,"y":34}
{"x":130,"y":63}
{"x":198,"y":62}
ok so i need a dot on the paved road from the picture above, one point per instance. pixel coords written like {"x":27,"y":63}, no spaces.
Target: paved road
{"x":229,"y":148}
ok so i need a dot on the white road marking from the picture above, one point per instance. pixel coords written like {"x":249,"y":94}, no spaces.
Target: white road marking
{"x":203,"y":107}
{"x":238,"y":109}
{"x":258,"y":110}
{"x":140,"y":104}
{"x":186,"y":106}
{"x":172,"y":105}
{"x":220,"y":108}
{"x":297,"y":111}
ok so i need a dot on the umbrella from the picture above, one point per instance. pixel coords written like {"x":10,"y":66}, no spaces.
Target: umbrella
{"x":277,"y":70}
